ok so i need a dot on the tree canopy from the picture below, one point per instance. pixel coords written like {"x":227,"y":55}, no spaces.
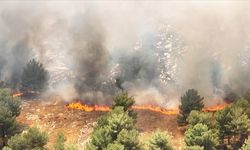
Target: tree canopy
{"x":34,"y":76}
{"x":191,"y":100}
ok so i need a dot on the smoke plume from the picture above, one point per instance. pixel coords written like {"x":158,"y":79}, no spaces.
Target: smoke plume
{"x":155,"y":51}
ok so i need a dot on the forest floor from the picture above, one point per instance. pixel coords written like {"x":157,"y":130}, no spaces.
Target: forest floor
{"x":52,"y":115}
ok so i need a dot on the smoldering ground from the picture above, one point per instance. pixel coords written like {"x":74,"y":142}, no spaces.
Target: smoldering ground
{"x":89,"y":46}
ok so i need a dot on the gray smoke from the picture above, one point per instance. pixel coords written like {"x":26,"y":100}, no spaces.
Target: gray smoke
{"x":155,"y":51}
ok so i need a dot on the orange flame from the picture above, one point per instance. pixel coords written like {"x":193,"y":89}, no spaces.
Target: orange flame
{"x":215,"y":108}
{"x":17,"y":94}
{"x":156,"y":109}
{"x":89,"y":108}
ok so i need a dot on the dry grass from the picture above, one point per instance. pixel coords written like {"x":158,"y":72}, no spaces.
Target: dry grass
{"x":52,"y":116}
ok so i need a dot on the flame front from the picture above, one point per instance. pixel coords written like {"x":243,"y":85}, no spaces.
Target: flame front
{"x":17,"y":94}
{"x":215,"y":108}
{"x":89,"y":108}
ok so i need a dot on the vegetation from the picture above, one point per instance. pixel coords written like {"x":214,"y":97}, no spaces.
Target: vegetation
{"x":34,"y":76}
{"x":246,"y":145}
{"x":201,"y":135}
{"x":116,"y":129}
{"x":9,"y":110}
{"x":190,"y":101}
{"x":160,"y":141}
{"x":196,"y":117}
{"x":122,"y":99}
{"x":60,"y":143}
{"x":32,"y":139}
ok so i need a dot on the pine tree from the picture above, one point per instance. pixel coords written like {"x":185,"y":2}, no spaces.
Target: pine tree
{"x":196,"y":117}
{"x":190,"y":101}
{"x":129,"y":139}
{"x":160,"y":141}
{"x":240,"y":126}
{"x":116,"y":130}
{"x":32,"y":139}
{"x":201,"y":135}
{"x":34,"y":76}
{"x":122,"y":99}
{"x":9,"y":110}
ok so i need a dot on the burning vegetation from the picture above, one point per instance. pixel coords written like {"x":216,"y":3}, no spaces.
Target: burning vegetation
{"x":108,"y":84}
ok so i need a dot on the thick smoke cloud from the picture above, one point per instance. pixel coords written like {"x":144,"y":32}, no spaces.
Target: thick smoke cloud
{"x":155,"y":51}
{"x":90,"y":55}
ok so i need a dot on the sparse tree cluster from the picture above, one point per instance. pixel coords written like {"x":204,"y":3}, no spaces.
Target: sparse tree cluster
{"x":226,"y":129}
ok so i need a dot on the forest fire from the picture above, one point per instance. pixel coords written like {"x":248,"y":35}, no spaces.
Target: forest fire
{"x":216,"y":107}
{"x":89,"y":108}
{"x":17,"y":94}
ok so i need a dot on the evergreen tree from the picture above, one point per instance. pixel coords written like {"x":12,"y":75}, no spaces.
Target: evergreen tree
{"x":9,"y":110}
{"x":34,"y":76}
{"x":223,"y":118}
{"x":196,"y":117}
{"x":33,"y":139}
{"x":234,"y":125}
{"x":129,"y":139}
{"x":190,"y":101}
{"x":240,"y":126}
{"x":116,"y":130}
{"x":160,"y":141}
{"x":122,"y":99}
{"x":201,"y":135}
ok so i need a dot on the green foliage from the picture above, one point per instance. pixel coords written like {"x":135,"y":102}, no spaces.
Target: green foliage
{"x":9,"y":110}
{"x":110,"y":126}
{"x":129,"y":139}
{"x":123,"y":100}
{"x":246,"y":145}
{"x":202,"y":136}
{"x":115,"y":146}
{"x":32,"y":139}
{"x":12,"y":104}
{"x":223,"y":117}
{"x":233,"y":124}
{"x":196,"y":117}
{"x":190,"y":101}
{"x":196,"y":147}
{"x":59,"y":145}
{"x":116,"y":129}
{"x":244,"y":104}
{"x":34,"y":76}
{"x":160,"y":141}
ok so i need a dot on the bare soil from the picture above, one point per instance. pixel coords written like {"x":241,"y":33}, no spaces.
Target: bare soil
{"x":51,"y":115}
